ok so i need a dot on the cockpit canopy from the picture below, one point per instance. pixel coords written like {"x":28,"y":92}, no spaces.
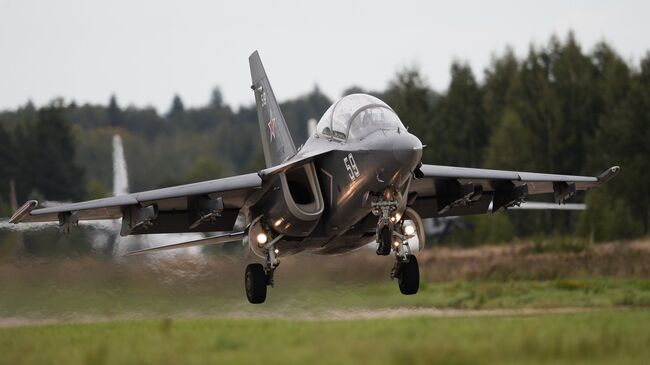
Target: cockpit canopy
{"x":357,"y":115}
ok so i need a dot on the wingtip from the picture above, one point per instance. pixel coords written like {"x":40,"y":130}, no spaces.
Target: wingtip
{"x":609,"y":174}
{"x":24,"y":210}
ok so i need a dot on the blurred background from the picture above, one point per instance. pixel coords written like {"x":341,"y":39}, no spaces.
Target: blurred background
{"x":558,"y":87}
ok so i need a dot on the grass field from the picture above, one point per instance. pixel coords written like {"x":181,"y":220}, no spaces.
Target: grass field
{"x":309,"y":299}
{"x":607,"y":337}
{"x":484,"y":278}
{"x":502,"y":304}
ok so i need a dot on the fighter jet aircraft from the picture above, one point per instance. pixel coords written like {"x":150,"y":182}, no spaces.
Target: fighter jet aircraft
{"x":357,"y":179}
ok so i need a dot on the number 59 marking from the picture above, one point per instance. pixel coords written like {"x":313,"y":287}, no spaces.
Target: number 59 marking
{"x":351,"y":166}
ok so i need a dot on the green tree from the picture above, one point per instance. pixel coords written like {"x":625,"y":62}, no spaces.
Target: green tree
{"x":459,"y":132}
{"x":177,"y":108}
{"x":114,"y":112}
{"x":206,"y":168}
{"x":412,"y":99}
{"x":622,"y":139}
{"x":47,"y":157}
{"x":498,"y":81}
{"x":7,"y":169}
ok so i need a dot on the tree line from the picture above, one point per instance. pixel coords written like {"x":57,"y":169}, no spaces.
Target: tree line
{"x":559,"y":109}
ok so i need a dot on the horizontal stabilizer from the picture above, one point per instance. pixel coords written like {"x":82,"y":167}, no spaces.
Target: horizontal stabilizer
{"x":229,"y":237}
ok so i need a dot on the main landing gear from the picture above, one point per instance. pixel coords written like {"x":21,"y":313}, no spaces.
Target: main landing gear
{"x":407,"y":273}
{"x":255,"y":281}
{"x":392,"y":235}
{"x":258,"y":277}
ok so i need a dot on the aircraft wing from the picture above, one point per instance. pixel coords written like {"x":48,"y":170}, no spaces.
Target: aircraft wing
{"x":206,"y":206}
{"x":453,"y":191}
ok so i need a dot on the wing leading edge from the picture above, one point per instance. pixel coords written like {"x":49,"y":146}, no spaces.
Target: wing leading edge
{"x":448,"y":190}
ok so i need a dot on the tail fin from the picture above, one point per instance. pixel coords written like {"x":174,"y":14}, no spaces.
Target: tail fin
{"x":120,"y":176}
{"x":276,"y":139}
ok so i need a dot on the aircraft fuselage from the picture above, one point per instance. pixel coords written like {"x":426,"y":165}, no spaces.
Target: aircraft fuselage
{"x":348,"y":176}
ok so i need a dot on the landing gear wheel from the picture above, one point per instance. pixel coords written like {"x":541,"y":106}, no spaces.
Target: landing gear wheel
{"x":385,"y":236}
{"x":255,"y":282}
{"x":409,"y":276}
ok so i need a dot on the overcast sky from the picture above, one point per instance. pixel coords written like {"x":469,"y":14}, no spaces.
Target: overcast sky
{"x":147,"y":51}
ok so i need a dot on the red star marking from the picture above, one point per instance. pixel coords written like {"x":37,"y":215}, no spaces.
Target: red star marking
{"x":271,"y":125}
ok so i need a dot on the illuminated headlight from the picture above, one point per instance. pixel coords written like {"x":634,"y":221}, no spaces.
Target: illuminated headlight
{"x":262,"y":238}
{"x":409,"y":229}
{"x":396,"y":244}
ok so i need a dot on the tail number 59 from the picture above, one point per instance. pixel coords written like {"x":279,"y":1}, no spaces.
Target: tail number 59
{"x":351,"y":166}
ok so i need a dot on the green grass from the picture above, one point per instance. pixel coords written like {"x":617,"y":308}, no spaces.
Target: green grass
{"x":606,"y":337}
{"x":110,"y":298}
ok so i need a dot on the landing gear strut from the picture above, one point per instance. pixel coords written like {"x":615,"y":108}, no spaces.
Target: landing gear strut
{"x":384,"y":241}
{"x":385,"y":208}
{"x":393,"y":235}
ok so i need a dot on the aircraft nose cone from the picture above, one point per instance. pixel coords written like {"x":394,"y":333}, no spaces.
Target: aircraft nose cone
{"x":407,"y":150}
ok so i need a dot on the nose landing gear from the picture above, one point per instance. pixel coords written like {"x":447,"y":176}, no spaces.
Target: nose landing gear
{"x":386,"y":209}
{"x":406,"y":269}
{"x":393,"y":235}
{"x":407,"y":274}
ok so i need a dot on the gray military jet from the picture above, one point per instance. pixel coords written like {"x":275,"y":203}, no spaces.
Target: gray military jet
{"x":356,"y":180}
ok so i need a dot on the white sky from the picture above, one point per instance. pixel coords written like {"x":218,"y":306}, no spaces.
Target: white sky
{"x":146,"y":51}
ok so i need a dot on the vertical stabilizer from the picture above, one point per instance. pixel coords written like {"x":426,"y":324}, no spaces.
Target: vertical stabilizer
{"x":120,"y":177}
{"x":276,"y":139}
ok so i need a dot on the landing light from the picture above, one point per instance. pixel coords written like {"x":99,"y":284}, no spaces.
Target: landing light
{"x":396,"y":244}
{"x":409,"y":229}
{"x":276,"y":251}
{"x":262,"y":238}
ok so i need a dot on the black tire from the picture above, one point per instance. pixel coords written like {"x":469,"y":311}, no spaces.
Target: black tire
{"x":385,"y":237}
{"x":255,"y":283}
{"x":409,"y":276}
